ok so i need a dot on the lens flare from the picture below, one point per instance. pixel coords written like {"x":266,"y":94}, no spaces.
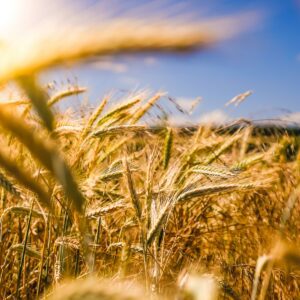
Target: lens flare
{"x":10,"y":15}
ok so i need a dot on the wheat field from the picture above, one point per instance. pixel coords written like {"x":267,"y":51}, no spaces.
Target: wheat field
{"x":96,"y":203}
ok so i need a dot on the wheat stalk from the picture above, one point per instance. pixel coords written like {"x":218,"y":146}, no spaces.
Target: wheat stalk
{"x":97,"y":112}
{"x":168,"y":147}
{"x":133,"y":195}
{"x":118,"y":110}
{"x":141,"y":111}
{"x":24,"y":178}
{"x":70,"y":92}
{"x":38,"y":98}
{"x":214,"y":189}
{"x":8,"y":186}
{"x":102,"y":211}
{"x":114,"y":36}
{"x":68,"y":241}
{"x":213,"y":171}
{"x":45,"y":151}
{"x":28,"y":251}
{"x":121,"y":129}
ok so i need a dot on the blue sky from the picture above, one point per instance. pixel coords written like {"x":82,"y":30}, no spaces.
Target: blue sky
{"x":265,"y":59}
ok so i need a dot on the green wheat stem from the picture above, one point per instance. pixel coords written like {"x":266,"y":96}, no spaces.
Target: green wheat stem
{"x":24,"y":251}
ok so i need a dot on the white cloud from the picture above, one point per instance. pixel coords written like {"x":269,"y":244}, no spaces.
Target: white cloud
{"x":215,"y":117}
{"x":109,"y":65}
{"x":179,"y":120}
{"x":291,"y":118}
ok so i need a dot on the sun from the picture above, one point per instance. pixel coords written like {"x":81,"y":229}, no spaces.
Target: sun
{"x":10,"y":16}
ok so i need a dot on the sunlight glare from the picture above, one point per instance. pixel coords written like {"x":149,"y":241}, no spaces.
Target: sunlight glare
{"x":10,"y":15}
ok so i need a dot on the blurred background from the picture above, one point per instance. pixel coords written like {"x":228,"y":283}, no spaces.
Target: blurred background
{"x":263,"y":58}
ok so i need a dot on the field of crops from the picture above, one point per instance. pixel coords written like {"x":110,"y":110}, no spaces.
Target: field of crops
{"x":112,"y":201}
{"x":100,"y":196}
